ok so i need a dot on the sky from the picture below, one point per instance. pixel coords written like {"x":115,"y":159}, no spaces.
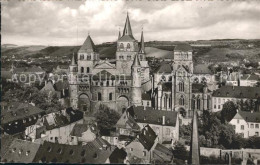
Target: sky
{"x":68,"y":22}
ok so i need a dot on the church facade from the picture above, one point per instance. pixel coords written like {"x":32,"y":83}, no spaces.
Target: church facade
{"x":122,"y":83}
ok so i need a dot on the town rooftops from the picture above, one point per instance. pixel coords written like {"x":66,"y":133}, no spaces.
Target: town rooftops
{"x":22,"y":111}
{"x":182,"y":47}
{"x":21,"y":151}
{"x":61,"y":153}
{"x":253,"y":117}
{"x":32,"y":69}
{"x":201,"y":69}
{"x":78,"y":129}
{"x":147,"y":137}
{"x":237,"y":92}
{"x":150,"y":116}
{"x":162,"y":153}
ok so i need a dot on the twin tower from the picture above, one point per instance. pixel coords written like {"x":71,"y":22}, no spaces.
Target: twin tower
{"x":116,"y":82}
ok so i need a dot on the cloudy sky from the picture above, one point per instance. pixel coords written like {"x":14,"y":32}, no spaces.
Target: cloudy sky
{"x":68,"y":22}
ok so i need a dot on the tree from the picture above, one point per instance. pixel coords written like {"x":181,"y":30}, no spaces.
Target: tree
{"x":106,"y":118}
{"x":228,"y":111}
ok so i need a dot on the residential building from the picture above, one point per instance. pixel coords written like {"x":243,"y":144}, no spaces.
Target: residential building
{"x":246,"y":123}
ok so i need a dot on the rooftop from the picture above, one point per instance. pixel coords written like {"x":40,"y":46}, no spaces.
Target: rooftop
{"x":237,"y":92}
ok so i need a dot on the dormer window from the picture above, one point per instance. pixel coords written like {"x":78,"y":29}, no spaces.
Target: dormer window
{"x":121,"y":47}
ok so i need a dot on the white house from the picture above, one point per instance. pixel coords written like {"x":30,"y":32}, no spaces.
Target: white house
{"x":246,"y":123}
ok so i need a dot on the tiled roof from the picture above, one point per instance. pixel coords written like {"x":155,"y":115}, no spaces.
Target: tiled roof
{"x":88,"y":46}
{"x":32,"y":69}
{"x":146,"y":96}
{"x":118,"y":156}
{"x":183,"y":47}
{"x":61,"y":153}
{"x":48,"y":87}
{"x":20,"y":112}
{"x":151,"y":116}
{"x":6,"y":141}
{"x":21,"y":151}
{"x":253,"y":117}
{"x":165,"y":67}
{"x":55,"y":120}
{"x":127,"y":120}
{"x":136,"y":61}
{"x":78,"y":129}
{"x":201,"y":69}
{"x":162,"y":153}
{"x":237,"y":92}
{"x":147,"y":137}
{"x":126,"y":38}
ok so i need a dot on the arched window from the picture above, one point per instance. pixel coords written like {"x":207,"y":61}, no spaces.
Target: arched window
{"x":181,"y":100}
{"x":121,"y":46}
{"x":82,"y":70}
{"x":99,"y":96}
{"x":198,"y":103}
{"x":87,"y":69}
{"x":128,"y":46}
{"x":81,"y":57}
{"x":181,"y":86}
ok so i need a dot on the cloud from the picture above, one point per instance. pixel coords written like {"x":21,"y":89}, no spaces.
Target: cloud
{"x":58,"y":23}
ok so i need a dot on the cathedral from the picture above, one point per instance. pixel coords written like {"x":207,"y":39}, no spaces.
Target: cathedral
{"x":127,"y":81}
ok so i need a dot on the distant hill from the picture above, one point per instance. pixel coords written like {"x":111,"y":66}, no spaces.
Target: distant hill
{"x":215,"y":50}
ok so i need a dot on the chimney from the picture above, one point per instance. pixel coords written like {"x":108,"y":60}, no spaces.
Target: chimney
{"x":163,"y":120}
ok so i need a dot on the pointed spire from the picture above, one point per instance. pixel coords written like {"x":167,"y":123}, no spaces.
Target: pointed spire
{"x":119,"y":34}
{"x":194,"y":145}
{"x":136,"y":61}
{"x":127,"y":29}
{"x":142,"y":48}
{"x":88,"y":46}
{"x":73,"y":62}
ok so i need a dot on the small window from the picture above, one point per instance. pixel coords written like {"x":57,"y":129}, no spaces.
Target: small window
{"x":256,"y":125}
{"x":242,"y":127}
{"x":110,"y":96}
{"x":87,"y":69}
{"x":121,"y":46}
{"x":82,"y":70}
{"x":237,"y":121}
{"x":89,"y":57}
{"x":131,"y":149}
{"x":81,"y":57}
{"x":144,"y":153}
{"x":256,"y":133}
{"x":251,"y":125}
{"x":99,"y":96}
{"x":128,"y":46}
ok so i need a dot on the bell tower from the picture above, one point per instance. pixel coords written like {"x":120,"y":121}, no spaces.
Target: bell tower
{"x":136,"y":82}
{"x":127,"y":48}
{"x":73,"y":90}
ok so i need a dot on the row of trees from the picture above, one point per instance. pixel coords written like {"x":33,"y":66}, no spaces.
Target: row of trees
{"x":215,"y":132}
{"x":13,"y":92}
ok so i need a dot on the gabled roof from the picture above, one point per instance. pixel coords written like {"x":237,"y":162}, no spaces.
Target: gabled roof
{"x":20,"y":112}
{"x":48,"y":87}
{"x":88,"y":46}
{"x":73,"y":60}
{"x":151,"y":116}
{"x":165,"y":67}
{"x":126,"y":38}
{"x":21,"y":151}
{"x":237,"y":92}
{"x":183,"y":47}
{"x":201,"y":69}
{"x":62,"y":153}
{"x":105,"y":65}
{"x":253,"y":117}
{"x":127,"y":121}
{"x":147,"y":137}
{"x":78,"y":129}
{"x":162,"y":153}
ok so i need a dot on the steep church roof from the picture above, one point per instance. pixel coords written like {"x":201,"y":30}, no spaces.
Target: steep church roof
{"x":127,"y":29}
{"x":88,"y":46}
{"x":136,"y":61}
{"x":194,"y":146}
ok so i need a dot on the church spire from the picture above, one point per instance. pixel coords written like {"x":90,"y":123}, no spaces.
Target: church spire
{"x":136,"y":61}
{"x":73,"y":62}
{"x":142,"y":49}
{"x":127,"y":28}
{"x":119,"y":34}
{"x":194,"y":145}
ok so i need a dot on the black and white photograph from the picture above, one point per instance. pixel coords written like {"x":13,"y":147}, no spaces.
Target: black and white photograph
{"x":130,"y":82}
